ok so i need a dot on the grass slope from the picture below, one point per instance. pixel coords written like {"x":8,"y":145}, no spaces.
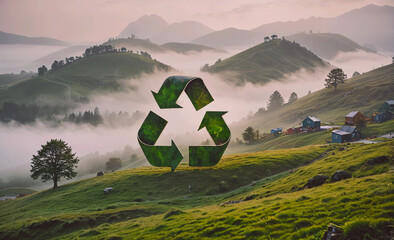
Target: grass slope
{"x":365,"y":93}
{"x":266,"y":62}
{"x":10,"y":79}
{"x":142,"y":206}
{"x":326,"y":45}
{"x":97,"y":73}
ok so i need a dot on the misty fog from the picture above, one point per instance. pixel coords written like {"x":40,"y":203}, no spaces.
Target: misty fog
{"x":18,"y":143}
{"x":17,"y":57}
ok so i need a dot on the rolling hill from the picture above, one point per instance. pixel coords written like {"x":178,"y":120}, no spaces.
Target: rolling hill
{"x":249,"y":196}
{"x":375,"y":26}
{"x":97,"y":73}
{"x":9,"y":38}
{"x":267,"y":61}
{"x":365,"y":93}
{"x":135,"y":44}
{"x":326,"y":45}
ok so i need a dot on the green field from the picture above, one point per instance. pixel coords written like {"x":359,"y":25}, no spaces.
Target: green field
{"x":266,"y":62}
{"x":95,"y":74}
{"x":152,"y":203}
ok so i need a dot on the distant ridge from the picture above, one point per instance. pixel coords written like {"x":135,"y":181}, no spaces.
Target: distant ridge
{"x":371,"y":24}
{"x":158,"y":30}
{"x":10,"y":38}
{"x":326,"y":45}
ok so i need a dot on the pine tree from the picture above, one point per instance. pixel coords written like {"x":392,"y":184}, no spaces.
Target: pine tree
{"x":335,"y":77}
{"x":293,"y":97}
{"x":275,"y":102}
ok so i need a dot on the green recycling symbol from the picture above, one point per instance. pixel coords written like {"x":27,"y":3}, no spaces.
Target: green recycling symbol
{"x":153,"y":126}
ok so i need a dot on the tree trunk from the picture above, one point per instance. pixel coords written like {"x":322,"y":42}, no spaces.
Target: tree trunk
{"x":55,"y":183}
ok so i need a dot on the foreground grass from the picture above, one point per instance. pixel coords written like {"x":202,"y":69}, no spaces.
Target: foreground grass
{"x":151,"y":203}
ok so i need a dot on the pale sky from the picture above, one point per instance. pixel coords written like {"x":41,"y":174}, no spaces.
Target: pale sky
{"x":97,"y":20}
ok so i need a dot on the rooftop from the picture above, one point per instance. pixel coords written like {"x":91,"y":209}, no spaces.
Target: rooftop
{"x":340,"y":132}
{"x":351,"y":114}
{"x":315,"y":119}
{"x":390,"y":102}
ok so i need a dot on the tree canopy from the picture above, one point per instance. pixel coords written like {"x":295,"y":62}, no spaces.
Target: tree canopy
{"x":113,"y":164}
{"x":250,"y":135}
{"x":275,"y":102}
{"x":293,"y":97}
{"x":335,"y":77}
{"x":53,"y":161}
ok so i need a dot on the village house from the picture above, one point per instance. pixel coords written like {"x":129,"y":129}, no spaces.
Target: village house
{"x":388,"y":106}
{"x":345,"y":134}
{"x":311,"y":122}
{"x":352,"y":117}
{"x":382,"y":117}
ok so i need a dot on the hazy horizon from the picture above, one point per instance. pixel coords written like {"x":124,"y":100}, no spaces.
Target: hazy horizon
{"x":101,"y":19}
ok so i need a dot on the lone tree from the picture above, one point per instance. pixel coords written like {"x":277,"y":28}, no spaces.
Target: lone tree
{"x":293,"y":97}
{"x":54,"y":160}
{"x":249,"y":135}
{"x":335,"y":77}
{"x":275,"y":102}
{"x":113,"y":164}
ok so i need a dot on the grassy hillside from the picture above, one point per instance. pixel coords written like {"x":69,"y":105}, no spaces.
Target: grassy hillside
{"x":97,"y":73}
{"x":10,"y":79}
{"x":365,"y":93}
{"x":135,"y":45}
{"x":326,"y":45}
{"x":152,"y":203}
{"x":305,"y":139}
{"x":185,"y":48}
{"x":266,"y":62}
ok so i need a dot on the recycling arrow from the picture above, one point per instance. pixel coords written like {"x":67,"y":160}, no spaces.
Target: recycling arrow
{"x":219,"y":132}
{"x":173,"y":86}
{"x":153,"y":126}
{"x":158,"y":156}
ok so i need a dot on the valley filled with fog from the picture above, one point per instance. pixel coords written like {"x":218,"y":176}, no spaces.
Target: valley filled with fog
{"x":20,"y":142}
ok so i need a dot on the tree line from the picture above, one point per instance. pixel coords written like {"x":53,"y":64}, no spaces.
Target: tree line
{"x":25,"y":114}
